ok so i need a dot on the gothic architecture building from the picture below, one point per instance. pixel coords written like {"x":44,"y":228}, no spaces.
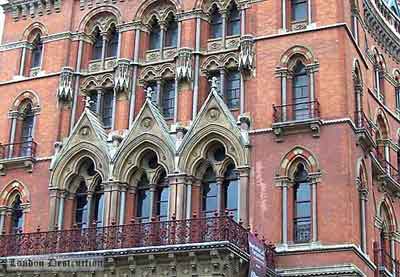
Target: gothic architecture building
{"x":156,"y":135}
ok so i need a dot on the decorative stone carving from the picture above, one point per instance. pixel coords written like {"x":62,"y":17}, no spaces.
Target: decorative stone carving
{"x":152,"y":56}
{"x":65,"y":90}
{"x":214,"y":45}
{"x":23,"y":8}
{"x":247,"y":53}
{"x":122,"y":75}
{"x":184,"y":64}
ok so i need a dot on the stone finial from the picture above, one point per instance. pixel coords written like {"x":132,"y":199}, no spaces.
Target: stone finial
{"x":149,"y":93}
{"x":184,"y":64}
{"x":88,"y":102}
{"x":122,"y":76}
{"x":247,"y":54}
{"x":214,"y":85}
{"x":65,"y":87}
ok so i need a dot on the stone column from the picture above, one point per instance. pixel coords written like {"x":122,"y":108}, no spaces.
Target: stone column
{"x":243,"y":21}
{"x":284,"y":94}
{"x":284,"y":19}
{"x":178,"y":196}
{"x":159,"y":83}
{"x":364,"y":197}
{"x":222,"y":82}
{"x":13,"y":116}
{"x":162,"y":35}
{"x":153,"y":189}
{"x":179,"y":41}
{"x":134,"y":77}
{"x":189,"y":199}
{"x":103,"y":50}
{"x":99,"y":99}
{"x":122,"y":205}
{"x":76,"y":86}
{"x":220,"y":181}
{"x":224,"y":18}
{"x":89,"y":214}
{"x":53,"y":207}
{"x":196,"y":68}
{"x":119,"y":44}
{"x":309,"y":7}
{"x":243,"y":195}
{"x":284,"y":213}
{"x":22,"y":64}
{"x":60,"y":220}
{"x":314,"y":212}
{"x":2,"y":217}
{"x":176,"y":100}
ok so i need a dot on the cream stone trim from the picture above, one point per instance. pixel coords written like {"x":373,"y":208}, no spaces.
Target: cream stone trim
{"x":332,"y":270}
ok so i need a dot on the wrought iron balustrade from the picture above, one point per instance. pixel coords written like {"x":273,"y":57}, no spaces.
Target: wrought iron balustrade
{"x":26,"y":149}
{"x":387,"y":166}
{"x":384,"y":261}
{"x":133,"y":235}
{"x":296,"y":112}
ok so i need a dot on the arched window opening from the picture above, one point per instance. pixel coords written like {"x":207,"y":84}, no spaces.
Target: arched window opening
{"x":385,"y":232}
{"x":209,"y":193}
{"x":232,"y":93}
{"x":168,"y":99}
{"x":216,"y":24}
{"x":17,"y":215}
{"x":300,"y":87}
{"x":81,"y":206}
{"x":230,"y":192}
{"x":302,"y":206}
{"x":171,"y":36}
{"x":162,"y":196}
{"x":143,"y":212}
{"x":112,"y":45}
{"x":299,"y":10}
{"x":27,"y":131}
{"x":98,"y":205}
{"x":155,"y":35}
{"x":233,"y":24}
{"x":37,"y":52}
{"x":107,"y":108}
{"x":97,"y":46}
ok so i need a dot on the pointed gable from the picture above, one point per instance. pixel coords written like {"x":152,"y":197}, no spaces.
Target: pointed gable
{"x":89,"y":129}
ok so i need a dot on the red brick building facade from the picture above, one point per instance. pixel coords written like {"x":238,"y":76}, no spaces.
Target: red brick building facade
{"x":139,"y":124}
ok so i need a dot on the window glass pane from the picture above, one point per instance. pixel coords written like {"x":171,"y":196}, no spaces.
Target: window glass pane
{"x":303,"y":192}
{"x":17,"y":215}
{"x":155,"y":36}
{"x":81,"y":210}
{"x":162,"y":205}
{"x":233,"y":90}
{"x":303,"y":209}
{"x":299,"y":10}
{"x":171,"y":38}
{"x":97,"y":47}
{"x":143,"y":208}
{"x":112,"y":48}
{"x":168,"y":99}
{"x":107,"y":109}
{"x":233,"y":27}
{"x":216,"y":25}
{"x":98,"y":208}
{"x":210,"y":192}
{"x":397,"y":97}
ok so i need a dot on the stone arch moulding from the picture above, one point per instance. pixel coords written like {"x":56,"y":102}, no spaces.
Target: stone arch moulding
{"x":195,"y":150}
{"x":24,"y":96}
{"x":128,"y":158}
{"x":30,"y":31}
{"x":385,"y":203}
{"x":101,"y":11}
{"x":357,"y":68}
{"x":10,"y":190}
{"x":68,"y":164}
{"x":296,"y":154}
{"x":305,"y":54}
{"x":146,"y":5}
{"x":381,"y":114}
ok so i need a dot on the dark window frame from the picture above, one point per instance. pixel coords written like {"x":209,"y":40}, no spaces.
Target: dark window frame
{"x":216,"y":24}
{"x":171,"y":34}
{"x":17,"y":215}
{"x":232,"y":89}
{"x":295,"y":6}
{"x":234,"y":21}
{"x":37,"y":53}
{"x":155,"y":36}
{"x":112,"y":45}
{"x":97,"y":49}
{"x":167,"y":98}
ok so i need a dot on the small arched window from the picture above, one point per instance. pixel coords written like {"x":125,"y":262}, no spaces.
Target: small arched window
{"x":230,"y":192}
{"x":37,"y":52}
{"x":171,"y":37}
{"x":300,"y":88}
{"x":209,"y":193}
{"x":299,"y":10}
{"x":97,"y":46}
{"x":215,"y":24}
{"x":143,"y":212}
{"x":112,"y":46}
{"x":81,"y":206}
{"x":232,"y":93}
{"x":302,"y":205}
{"x":233,"y":24}
{"x":155,"y":36}
{"x":17,"y":215}
{"x":161,"y":198}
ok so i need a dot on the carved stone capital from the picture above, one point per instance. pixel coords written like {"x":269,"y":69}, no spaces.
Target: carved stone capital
{"x":184,"y":63}
{"x":122,"y":75}
{"x":65,"y":88}
{"x":247,"y":53}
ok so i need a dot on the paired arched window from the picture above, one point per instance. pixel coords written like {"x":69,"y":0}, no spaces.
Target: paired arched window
{"x":37,"y":49}
{"x":105,"y":41}
{"x":302,"y":206}
{"x":155,"y":35}
{"x":233,"y":24}
{"x":17,"y":215}
{"x":112,"y":45}
{"x":300,"y":88}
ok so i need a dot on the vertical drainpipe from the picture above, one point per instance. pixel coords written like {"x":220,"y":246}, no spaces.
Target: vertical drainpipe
{"x":134,"y":78}
{"x":76,"y":87}
{"x":196,"y":68}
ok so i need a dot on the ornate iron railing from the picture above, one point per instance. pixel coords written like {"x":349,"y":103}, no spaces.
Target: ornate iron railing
{"x":389,"y":15}
{"x":26,"y":149}
{"x":387,"y":166}
{"x":384,"y":261}
{"x":155,"y":233}
{"x":296,"y":112}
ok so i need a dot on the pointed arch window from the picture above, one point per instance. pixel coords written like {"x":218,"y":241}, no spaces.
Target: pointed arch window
{"x":97,"y":46}
{"x":81,"y":206}
{"x":233,"y":24}
{"x":17,"y":215}
{"x":300,"y":89}
{"x":216,"y":24}
{"x":27,"y":131}
{"x":171,"y":36}
{"x":98,"y":205}
{"x":107,"y":108}
{"x":168,"y":98}
{"x":155,"y":36}
{"x":37,"y":52}
{"x":112,"y":45}
{"x":232,"y":93}
{"x":161,"y":198}
{"x":302,"y":206}
{"x":209,"y":193}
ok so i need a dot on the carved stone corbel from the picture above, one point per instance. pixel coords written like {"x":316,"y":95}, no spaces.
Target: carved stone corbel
{"x":65,"y":87}
{"x":247,"y":53}
{"x":122,"y":75}
{"x":184,"y":64}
